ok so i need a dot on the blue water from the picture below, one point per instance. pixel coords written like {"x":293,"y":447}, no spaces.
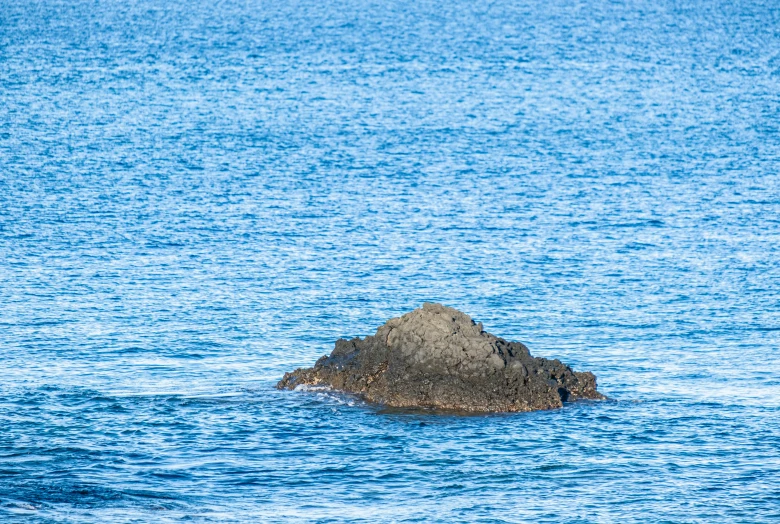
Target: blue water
{"x":196,"y":197}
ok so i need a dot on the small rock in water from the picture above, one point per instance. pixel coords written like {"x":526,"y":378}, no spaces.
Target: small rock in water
{"x":437,"y":357}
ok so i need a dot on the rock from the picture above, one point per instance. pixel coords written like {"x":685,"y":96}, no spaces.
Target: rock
{"x":437,"y":357}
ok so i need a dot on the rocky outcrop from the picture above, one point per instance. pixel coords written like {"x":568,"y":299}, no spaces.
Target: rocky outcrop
{"x":437,"y":357}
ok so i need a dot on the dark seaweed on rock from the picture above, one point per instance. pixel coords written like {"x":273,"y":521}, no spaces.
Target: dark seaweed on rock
{"x":438,"y":357}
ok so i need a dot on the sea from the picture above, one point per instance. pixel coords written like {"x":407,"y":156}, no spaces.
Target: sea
{"x":199,"y":196}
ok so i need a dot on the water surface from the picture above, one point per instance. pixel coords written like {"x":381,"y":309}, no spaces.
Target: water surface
{"x":196,"y":197}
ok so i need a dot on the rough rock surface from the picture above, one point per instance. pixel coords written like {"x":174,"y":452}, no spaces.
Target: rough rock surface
{"x":437,"y":357}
